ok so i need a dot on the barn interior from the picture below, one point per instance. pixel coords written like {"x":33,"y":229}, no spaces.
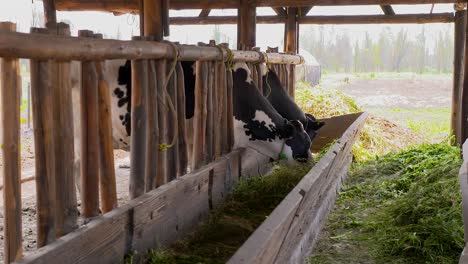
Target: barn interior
{"x":156,"y":188}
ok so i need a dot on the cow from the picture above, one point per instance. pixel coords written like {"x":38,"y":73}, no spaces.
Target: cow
{"x":257,"y":124}
{"x":285,"y":105}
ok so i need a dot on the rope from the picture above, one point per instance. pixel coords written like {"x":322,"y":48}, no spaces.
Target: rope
{"x":229,"y":59}
{"x":165,"y":146}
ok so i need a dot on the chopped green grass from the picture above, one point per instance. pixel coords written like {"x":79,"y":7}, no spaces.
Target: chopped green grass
{"x":227,"y":228}
{"x":400,"y":208}
{"x":378,"y":137}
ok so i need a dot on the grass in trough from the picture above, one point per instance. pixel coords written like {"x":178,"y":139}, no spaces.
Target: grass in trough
{"x":227,"y":228}
{"x":378,"y":136}
{"x":400,"y":208}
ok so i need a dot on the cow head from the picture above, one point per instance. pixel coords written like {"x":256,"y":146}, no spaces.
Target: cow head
{"x":312,"y":126}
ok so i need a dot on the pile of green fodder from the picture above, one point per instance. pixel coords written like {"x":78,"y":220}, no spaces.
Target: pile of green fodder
{"x":400,"y":208}
{"x":378,"y":136}
{"x":227,"y":228}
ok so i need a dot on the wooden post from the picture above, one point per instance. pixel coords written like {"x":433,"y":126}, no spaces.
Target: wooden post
{"x":66,"y":204}
{"x":209,"y":144}
{"x":182,"y":139}
{"x":230,"y":111}
{"x":464,"y":96}
{"x":89,"y":136}
{"x":291,"y":47}
{"x":139,"y":127}
{"x":163,"y":110}
{"x":42,"y":102}
{"x":173,"y":152}
{"x":246,"y":24}
{"x":50,"y":13}
{"x":458,"y":73}
{"x":108,"y":188}
{"x":220,"y":91}
{"x":152,"y":150}
{"x":153,"y":12}
{"x":10,"y":98}
{"x":199,"y":123}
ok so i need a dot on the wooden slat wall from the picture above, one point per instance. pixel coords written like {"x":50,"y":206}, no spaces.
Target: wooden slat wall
{"x":10,"y":87}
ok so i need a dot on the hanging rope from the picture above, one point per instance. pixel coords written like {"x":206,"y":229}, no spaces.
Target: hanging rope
{"x":165,"y":146}
{"x":229,"y":59}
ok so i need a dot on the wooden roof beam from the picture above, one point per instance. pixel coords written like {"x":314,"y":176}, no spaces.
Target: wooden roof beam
{"x":204,"y":12}
{"x":129,"y":6}
{"x":388,"y":10}
{"x":304,"y":11}
{"x":280,"y":11}
{"x":364,"y":19}
{"x":380,"y":19}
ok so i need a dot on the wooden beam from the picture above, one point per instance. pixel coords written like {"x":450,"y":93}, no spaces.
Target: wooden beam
{"x":464,"y":96}
{"x":280,"y":11}
{"x":388,"y":10}
{"x":213,"y":20}
{"x":129,"y":6}
{"x":303,"y":11}
{"x":37,"y":46}
{"x":204,"y":13}
{"x":290,"y":31}
{"x":458,"y":74}
{"x":380,"y":19}
{"x":246,"y":25}
{"x":10,"y":86}
{"x":50,"y":12}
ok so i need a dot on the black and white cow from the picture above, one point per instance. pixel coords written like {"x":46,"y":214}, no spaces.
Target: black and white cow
{"x":285,"y":105}
{"x":257,"y":124}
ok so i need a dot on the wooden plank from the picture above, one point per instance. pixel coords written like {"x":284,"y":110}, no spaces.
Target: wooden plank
{"x":173,"y":152}
{"x":128,"y":6}
{"x":182,"y":138}
{"x":156,"y":218}
{"x":210,"y":102}
{"x":163,"y":110}
{"x":199,"y":115}
{"x":107,"y":181}
{"x":230,"y":110}
{"x":42,"y":102}
{"x":153,"y":19}
{"x":280,"y":11}
{"x":380,"y":19}
{"x":139,"y":121}
{"x":66,"y":201}
{"x":388,"y":10}
{"x":50,"y":14}
{"x":458,"y":73}
{"x":464,"y":97}
{"x":303,"y":11}
{"x":291,"y":31}
{"x":213,"y":20}
{"x":89,"y":137}
{"x":10,"y":97}
{"x":38,"y":46}
{"x":152,"y":149}
{"x":246,"y":25}
{"x":204,"y":13}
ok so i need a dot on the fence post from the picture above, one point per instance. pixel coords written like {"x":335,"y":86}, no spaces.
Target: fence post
{"x":10,"y":98}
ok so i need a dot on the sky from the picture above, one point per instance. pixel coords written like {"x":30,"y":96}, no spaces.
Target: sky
{"x":20,"y":11}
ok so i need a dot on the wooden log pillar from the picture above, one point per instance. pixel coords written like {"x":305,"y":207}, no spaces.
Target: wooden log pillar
{"x":152,"y":150}
{"x":464,"y":94}
{"x":458,"y":73}
{"x":163,"y":110}
{"x":199,"y":119}
{"x":172,"y":124}
{"x":107,"y":183}
{"x":182,"y":136}
{"x":66,"y":201}
{"x":246,"y":24}
{"x":10,"y":86}
{"x":291,"y":45}
{"x":50,"y":13}
{"x":89,"y":136}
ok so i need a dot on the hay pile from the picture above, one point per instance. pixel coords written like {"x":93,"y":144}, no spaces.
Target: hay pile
{"x":378,"y":137}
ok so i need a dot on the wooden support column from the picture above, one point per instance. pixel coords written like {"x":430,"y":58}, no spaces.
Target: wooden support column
{"x":291,"y":46}
{"x":458,"y":73}
{"x":66,"y":202}
{"x":10,"y":86}
{"x":50,"y":13}
{"x":42,"y":101}
{"x":246,"y":24}
{"x":464,"y":95}
{"x":89,"y":136}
